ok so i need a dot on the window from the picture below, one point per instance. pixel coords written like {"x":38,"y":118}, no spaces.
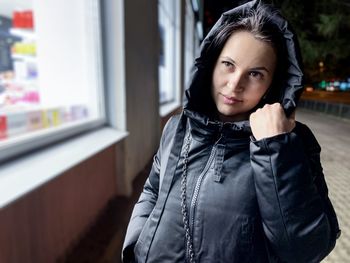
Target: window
{"x":169,"y":55}
{"x":189,"y":41}
{"x":50,"y":71}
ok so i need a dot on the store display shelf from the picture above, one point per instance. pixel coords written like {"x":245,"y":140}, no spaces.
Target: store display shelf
{"x":28,"y":58}
{"x":20,"y":109}
{"x":23,"y":33}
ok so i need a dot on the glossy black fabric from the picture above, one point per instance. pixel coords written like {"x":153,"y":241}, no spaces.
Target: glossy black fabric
{"x":248,"y":200}
{"x":270,"y":204}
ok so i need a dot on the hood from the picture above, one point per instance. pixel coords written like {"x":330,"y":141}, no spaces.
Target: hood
{"x":285,"y":90}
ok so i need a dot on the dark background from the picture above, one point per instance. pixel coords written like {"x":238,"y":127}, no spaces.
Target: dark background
{"x":323,"y":29}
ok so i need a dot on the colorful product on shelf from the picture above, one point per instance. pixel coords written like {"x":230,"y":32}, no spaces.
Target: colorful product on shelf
{"x":78,"y":112}
{"x":18,"y":95}
{"x":25,"y":70}
{"x":23,"y":19}
{"x":34,"y":120}
{"x":51,"y":117}
{"x":20,"y":83}
{"x":17,"y":123}
{"x":31,"y":97}
{"x":20,"y":48}
{"x":3,"y":127}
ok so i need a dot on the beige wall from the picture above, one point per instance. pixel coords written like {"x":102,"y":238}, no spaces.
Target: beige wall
{"x":142,"y":99}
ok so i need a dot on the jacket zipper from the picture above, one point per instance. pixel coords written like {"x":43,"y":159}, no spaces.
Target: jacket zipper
{"x":199,"y":183}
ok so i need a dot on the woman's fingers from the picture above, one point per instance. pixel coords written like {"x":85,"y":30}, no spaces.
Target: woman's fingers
{"x":270,"y":121}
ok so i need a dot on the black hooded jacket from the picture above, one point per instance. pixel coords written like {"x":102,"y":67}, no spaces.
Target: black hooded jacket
{"x":248,"y":200}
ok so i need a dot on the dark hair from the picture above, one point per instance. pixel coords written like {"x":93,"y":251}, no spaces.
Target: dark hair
{"x":256,"y":21}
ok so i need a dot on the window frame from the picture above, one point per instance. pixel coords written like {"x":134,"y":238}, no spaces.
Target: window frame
{"x":168,"y":106}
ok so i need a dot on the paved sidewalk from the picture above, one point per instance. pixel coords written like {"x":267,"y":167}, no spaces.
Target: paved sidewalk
{"x":333,"y":134}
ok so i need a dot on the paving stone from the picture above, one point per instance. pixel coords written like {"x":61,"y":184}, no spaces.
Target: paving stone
{"x":333,"y":134}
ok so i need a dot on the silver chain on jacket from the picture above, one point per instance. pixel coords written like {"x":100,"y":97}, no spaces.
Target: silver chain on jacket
{"x":184,"y":210}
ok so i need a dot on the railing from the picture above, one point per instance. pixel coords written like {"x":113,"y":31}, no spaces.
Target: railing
{"x":336,"y":109}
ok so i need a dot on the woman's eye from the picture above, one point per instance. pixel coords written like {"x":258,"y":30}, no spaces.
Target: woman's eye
{"x":256,"y":74}
{"x":227,"y":64}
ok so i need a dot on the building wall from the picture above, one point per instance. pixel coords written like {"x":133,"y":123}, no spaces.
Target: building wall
{"x":142,"y":98}
{"x":42,"y":225}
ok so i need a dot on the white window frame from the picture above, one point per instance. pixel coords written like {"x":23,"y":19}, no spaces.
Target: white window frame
{"x":189,"y":42}
{"x":169,"y":106}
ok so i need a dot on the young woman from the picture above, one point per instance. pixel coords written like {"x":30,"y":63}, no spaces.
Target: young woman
{"x":236,"y":178}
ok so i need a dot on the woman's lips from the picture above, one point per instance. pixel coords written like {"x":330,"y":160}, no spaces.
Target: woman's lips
{"x":231,"y":100}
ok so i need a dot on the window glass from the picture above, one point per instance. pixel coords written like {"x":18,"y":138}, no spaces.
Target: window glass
{"x":189,"y":40}
{"x":169,"y":18}
{"x":50,"y":67}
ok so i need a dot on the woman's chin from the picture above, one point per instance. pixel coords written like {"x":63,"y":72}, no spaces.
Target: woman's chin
{"x":232,"y":116}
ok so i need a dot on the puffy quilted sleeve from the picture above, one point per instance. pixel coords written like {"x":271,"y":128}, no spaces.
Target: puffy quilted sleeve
{"x":148,"y":197}
{"x":298,"y":218}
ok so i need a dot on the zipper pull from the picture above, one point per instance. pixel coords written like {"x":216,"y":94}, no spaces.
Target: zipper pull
{"x":219,"y":158}
{"x":218,"y":140}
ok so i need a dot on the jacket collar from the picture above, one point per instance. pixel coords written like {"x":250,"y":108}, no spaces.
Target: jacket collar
{"x":203,"y":128}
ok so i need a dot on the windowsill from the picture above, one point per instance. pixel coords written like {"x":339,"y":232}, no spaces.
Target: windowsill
{"x":20,"y":176}
{"x":167,"y":108}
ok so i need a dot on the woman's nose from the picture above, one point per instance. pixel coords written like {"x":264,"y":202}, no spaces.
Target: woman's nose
{"x":235,"y":83}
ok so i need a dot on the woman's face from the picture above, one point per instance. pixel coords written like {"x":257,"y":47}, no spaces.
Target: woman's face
{"x":242,"y":75}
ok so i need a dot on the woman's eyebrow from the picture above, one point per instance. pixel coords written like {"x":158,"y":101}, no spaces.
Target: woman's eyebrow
{"x":260,"y":68}
{"x":230,"y":59}
{"x":255,"y":68}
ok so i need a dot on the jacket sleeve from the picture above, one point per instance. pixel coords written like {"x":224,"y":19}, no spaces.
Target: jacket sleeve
{"x":146,"y":201}
{"x":298,"y":218}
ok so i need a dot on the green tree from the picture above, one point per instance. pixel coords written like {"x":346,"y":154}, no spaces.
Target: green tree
{"x":323,"y":29}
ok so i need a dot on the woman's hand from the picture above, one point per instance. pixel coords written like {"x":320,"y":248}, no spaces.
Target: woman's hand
{"x":270,"y":121}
